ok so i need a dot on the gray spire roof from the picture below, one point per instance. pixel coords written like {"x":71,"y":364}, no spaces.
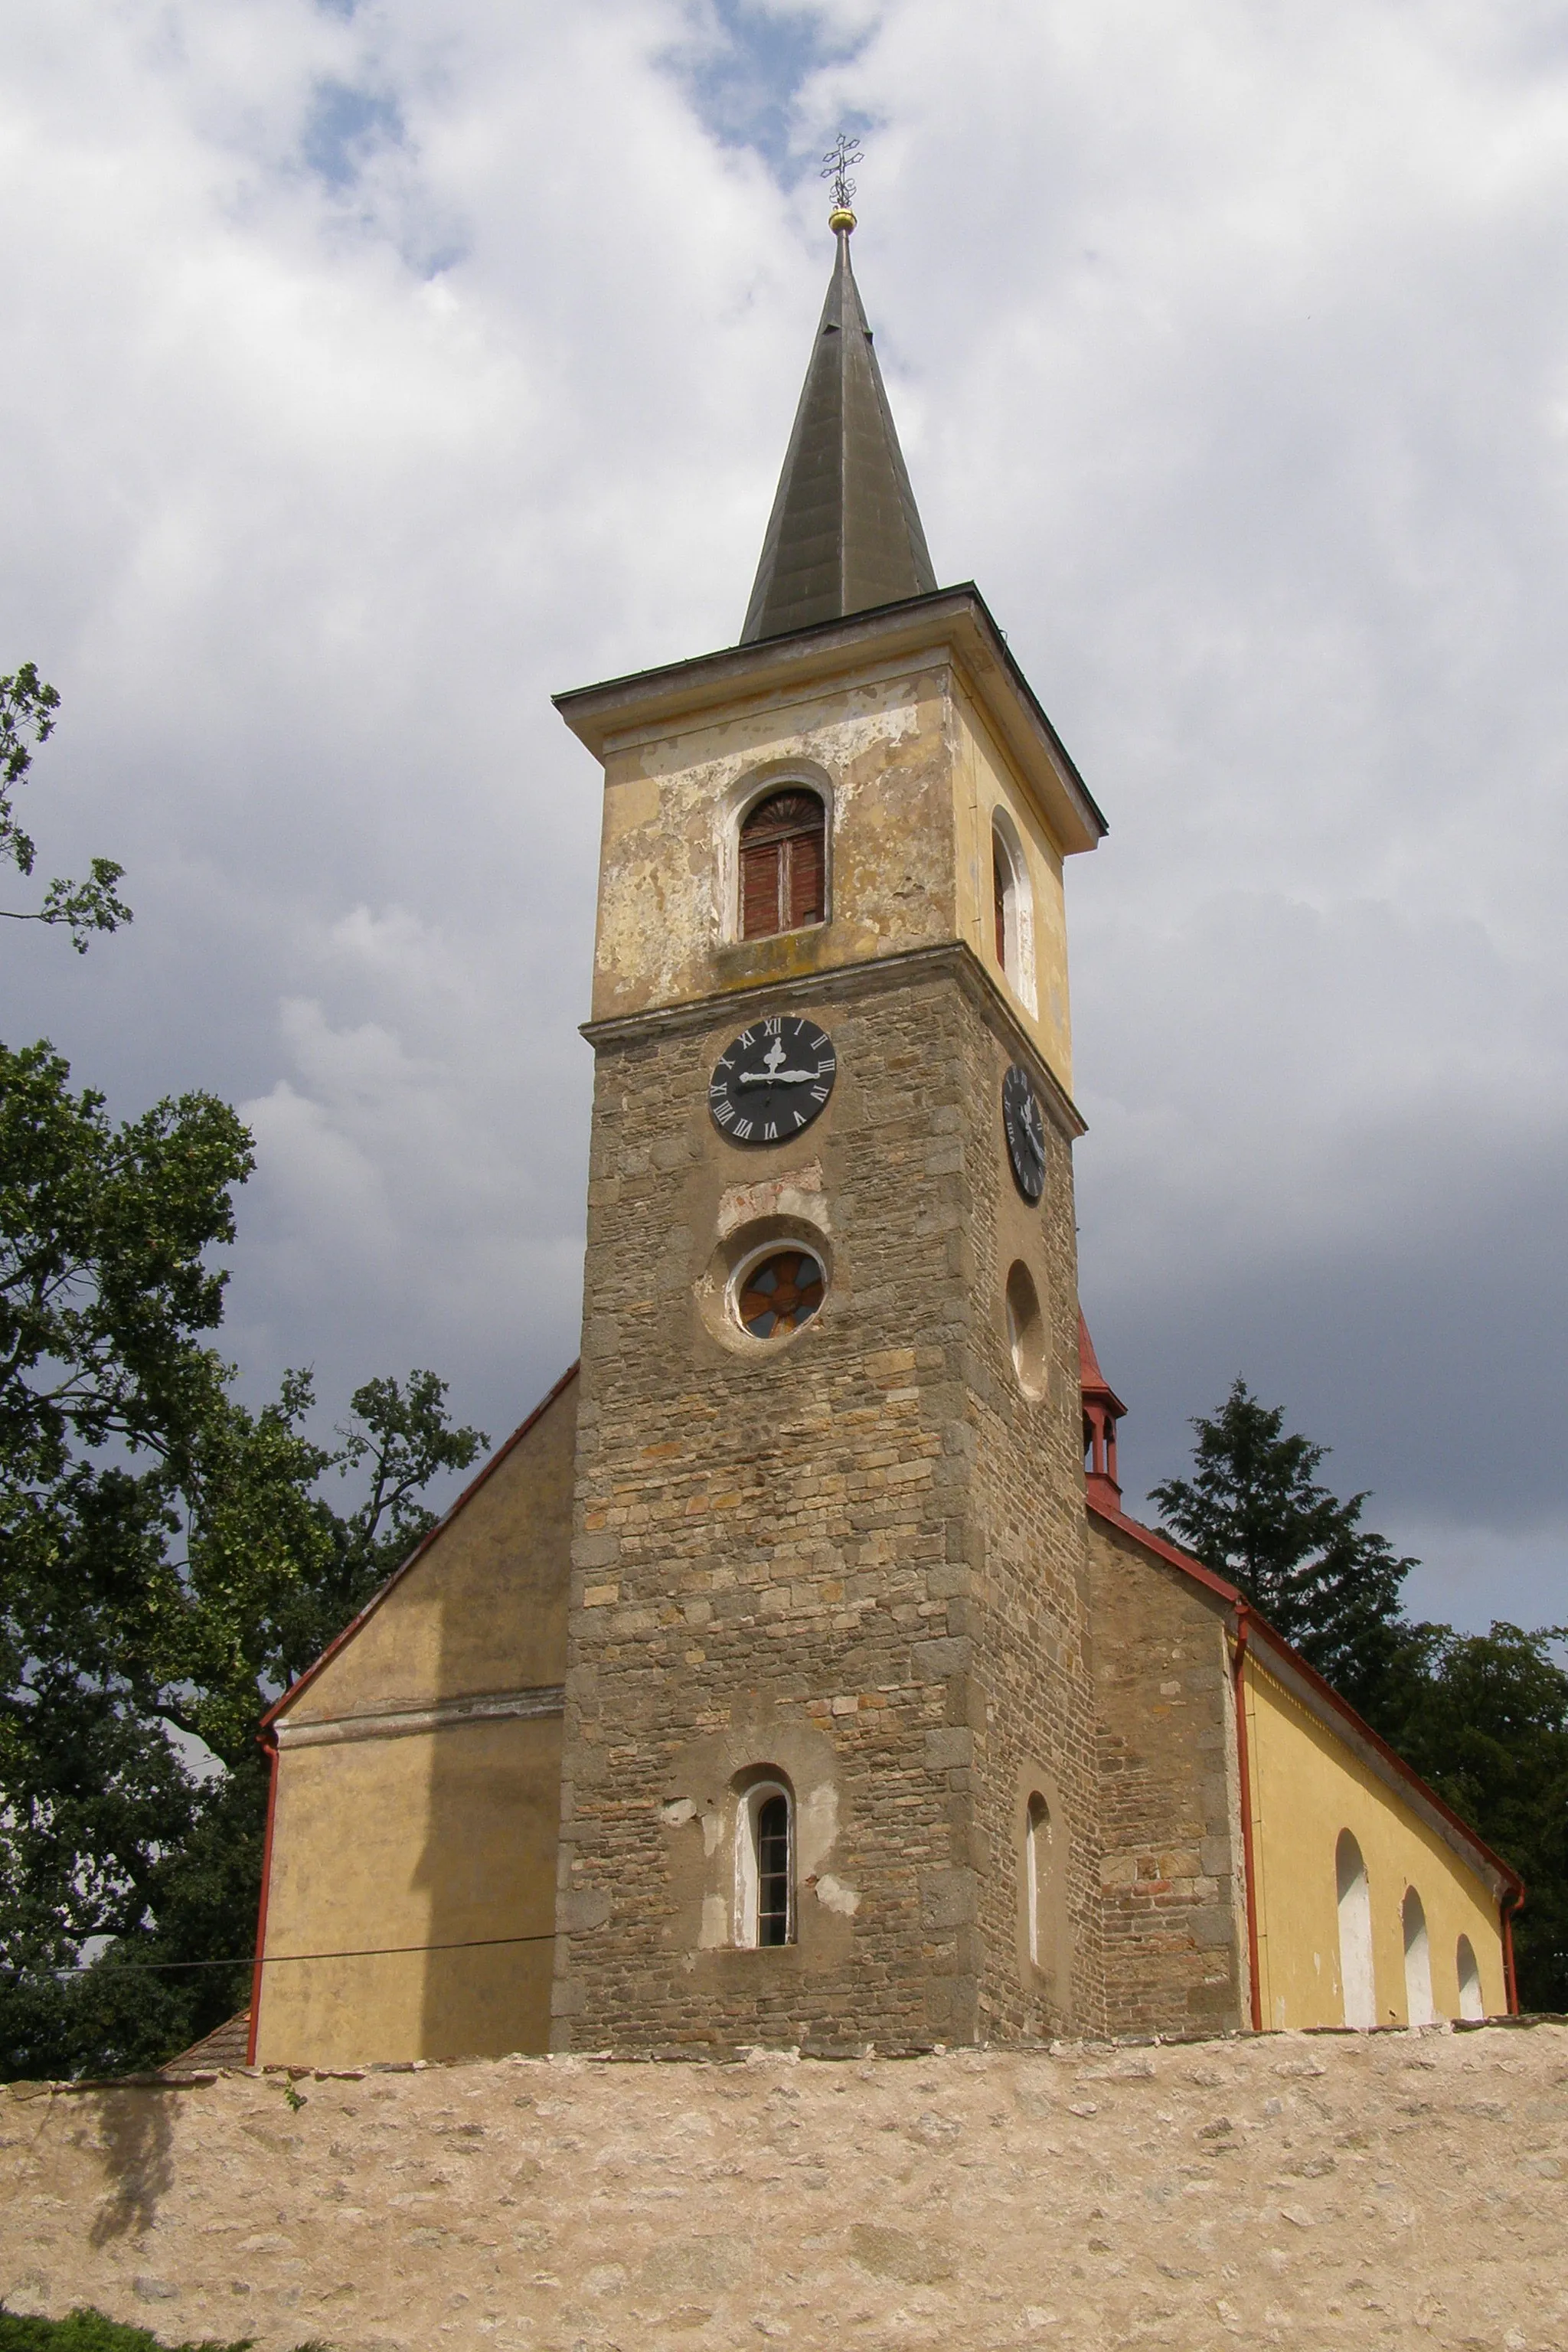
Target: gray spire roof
{"x":844,"y":533}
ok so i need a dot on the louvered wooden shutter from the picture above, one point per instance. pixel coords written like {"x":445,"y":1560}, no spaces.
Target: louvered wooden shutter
{"x":760,"y":861}
{"x":999,"y":897}
{"x":784,"y":865}
{"x":804,"y":880}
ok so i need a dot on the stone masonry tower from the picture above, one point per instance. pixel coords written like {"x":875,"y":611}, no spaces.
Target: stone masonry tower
{"x":829,"y":1771}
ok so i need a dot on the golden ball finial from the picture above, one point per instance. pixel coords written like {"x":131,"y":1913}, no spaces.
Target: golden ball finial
{"x":840,"y":217}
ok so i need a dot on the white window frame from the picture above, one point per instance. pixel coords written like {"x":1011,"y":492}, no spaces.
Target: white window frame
{"x":1419,"y":2006}
{"x":748,"y":1872}
{"x":1357,"y":1980}
{"x":1037,"y":1833}
{"x":1011,"y":861}
{"x":1472,"y":2000}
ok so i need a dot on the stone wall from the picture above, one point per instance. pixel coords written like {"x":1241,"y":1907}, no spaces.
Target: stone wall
{"x":1174,"y":1905}
{"x":1317,"y":2192}
{"x":851,"y":1558}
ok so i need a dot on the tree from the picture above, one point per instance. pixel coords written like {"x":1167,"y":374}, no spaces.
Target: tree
{"x":1483,"y":1718}
{"x":27,"y":707}
{"x":1254,"y":1511}
{"x":168,"y":1563}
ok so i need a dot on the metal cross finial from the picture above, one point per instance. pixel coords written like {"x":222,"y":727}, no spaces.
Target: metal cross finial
{"x":836,"y":165}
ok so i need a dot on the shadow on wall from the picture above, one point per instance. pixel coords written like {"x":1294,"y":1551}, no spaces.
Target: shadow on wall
{"x":135,"y":2144}
{"x":492,"y":1783}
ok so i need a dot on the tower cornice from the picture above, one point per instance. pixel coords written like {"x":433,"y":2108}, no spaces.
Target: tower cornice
{"x":957,"y":621}
{"x":954,"y":959}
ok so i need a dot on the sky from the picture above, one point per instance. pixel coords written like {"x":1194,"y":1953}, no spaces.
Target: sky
{"x":375,"y":368}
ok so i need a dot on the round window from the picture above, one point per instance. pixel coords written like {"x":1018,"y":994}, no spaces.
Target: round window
{"x":779,"y":1293}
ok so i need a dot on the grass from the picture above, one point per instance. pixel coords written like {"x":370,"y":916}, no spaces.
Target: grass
{"x":89,"y":2331}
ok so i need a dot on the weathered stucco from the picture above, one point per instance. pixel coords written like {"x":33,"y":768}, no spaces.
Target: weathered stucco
{"x":1321,"y":2194}
{"x":911,"y":775}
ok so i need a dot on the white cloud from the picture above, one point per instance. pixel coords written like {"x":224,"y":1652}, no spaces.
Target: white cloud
{"x":372,"y":371}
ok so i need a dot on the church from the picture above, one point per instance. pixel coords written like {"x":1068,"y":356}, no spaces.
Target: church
{"x":793,"y":1676}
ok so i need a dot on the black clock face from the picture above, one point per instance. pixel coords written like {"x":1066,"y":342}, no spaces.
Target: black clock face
{"x":1024,"y":1124}
{"x":771,"y":1080}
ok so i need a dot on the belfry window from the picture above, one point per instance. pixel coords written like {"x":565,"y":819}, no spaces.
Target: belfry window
{"x":764,"y":1866}
{"x":1012,"y":909}
{"x":784,"y":864}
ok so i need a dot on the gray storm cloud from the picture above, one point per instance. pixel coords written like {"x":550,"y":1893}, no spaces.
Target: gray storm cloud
{"x":372,"y":371}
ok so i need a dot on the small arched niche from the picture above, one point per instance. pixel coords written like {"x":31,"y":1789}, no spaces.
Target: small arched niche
{"x":1418,"y":2008}
{"x":1038,"y":1867}
{"x":1012,"y":909}
{"x":764,"y":1860}
{"x":1026,"y":1330}
{"x":1472,"y":2002}
{"x":780,"y":862}
{"x":1357,"y":1984}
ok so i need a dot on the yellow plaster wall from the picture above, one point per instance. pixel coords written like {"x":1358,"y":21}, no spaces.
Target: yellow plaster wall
{"x":983,"y":780}
{"x":443,"y":1835}
{"x":1307,"y":1787}
{"x":484,"y":1608}
{"x":913,"y":775}
{"x":430,"y":1838}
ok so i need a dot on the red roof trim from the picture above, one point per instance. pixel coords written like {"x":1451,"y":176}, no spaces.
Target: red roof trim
{"x":442,"y":1524}
{"x":1324,"y":1691}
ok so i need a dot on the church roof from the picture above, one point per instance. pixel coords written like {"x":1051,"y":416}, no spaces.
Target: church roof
{"x":1093,"y":1383}
{"x":844,"y":533}
{"x":1286,"y":1665}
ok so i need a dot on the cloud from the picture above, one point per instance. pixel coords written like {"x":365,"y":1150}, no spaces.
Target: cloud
{"x":374,"y":370}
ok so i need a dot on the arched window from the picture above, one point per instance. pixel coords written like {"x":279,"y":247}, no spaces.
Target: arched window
{"x":1418,"y":2008}
{"x":1012,"y":909}
{"x":1471,"y":2003}
{"x":1356,"y":1980}
{"x":784,"y":864}
{"x":1037,"y":1876}
{"x":1026,"y":1330}
{"x":765,"y":1866}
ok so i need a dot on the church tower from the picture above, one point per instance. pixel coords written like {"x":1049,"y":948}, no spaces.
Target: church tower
{"x":829,"y":1771}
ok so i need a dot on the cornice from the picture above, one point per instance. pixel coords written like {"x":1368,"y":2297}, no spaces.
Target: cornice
{"x":950,"y":959}
{"x":615,"y":713}
{"x":403,"y":1722}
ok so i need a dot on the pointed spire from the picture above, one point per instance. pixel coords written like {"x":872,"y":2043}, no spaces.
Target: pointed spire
{"x":845,"y":532}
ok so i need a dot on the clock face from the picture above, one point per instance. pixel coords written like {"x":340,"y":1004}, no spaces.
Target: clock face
{"x":771,"y":1080}
{"x":1024,"y":1124}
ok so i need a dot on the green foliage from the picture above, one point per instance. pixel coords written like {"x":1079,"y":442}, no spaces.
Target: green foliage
{"x":1254,"y":1512}
{"x":1483,"y":1718}
{"x":89,"y":2331}
{"x":27,"y":707}
{"x":168,"y":1563}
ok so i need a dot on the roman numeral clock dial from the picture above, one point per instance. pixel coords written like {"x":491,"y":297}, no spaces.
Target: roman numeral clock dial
{"x":772,"y":1081}
{"x":1024,"y":1123}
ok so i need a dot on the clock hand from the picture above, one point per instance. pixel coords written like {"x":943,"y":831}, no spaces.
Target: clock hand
{"x":778,"y":1077}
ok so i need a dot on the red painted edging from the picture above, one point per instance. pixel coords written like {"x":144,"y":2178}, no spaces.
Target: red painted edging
{"x":1244,"y":1774}
{"x":269,"y":1741}
{"x":1512,"y":1908}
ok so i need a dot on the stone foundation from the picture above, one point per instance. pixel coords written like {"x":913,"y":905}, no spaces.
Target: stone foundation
{"x":1302,"y":2191}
